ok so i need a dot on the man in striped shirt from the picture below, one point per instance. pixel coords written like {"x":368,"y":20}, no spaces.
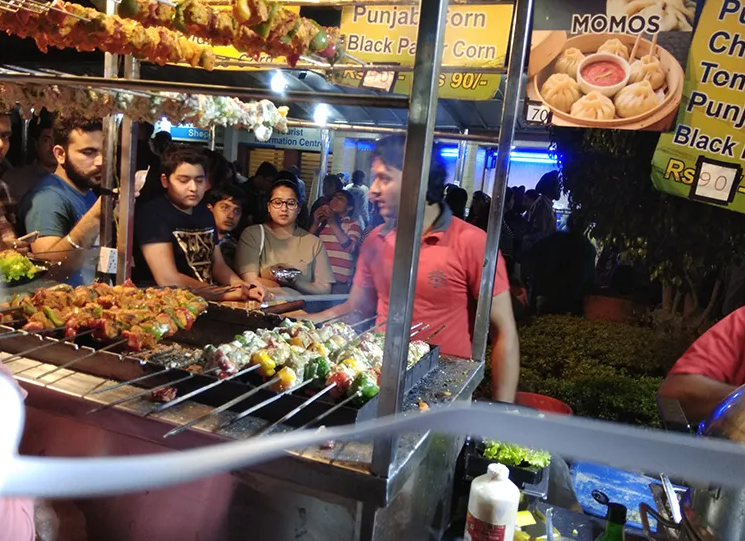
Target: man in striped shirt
{"x":340,"y":234}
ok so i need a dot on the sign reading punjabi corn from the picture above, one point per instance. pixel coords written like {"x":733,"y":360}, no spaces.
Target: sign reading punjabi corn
{"x":703,"y":158}
{"x":475,"y":36}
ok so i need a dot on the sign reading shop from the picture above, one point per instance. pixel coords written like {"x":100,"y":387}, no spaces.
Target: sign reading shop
{"x":302,"y":139}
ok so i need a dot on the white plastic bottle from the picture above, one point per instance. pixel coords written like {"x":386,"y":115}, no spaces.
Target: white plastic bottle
{"x":492,"y":506}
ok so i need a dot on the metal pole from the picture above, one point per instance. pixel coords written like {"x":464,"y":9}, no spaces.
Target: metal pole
{"x":510,"y":112}
{"x":24,"y":139}
{"x":212,"y":138}
{"x":110,"y":133}
{"x":230,"y":143}
{"x":422,"y":115}
{"x":460,"y":165}
{"x":323,"y":169}
{"x":125,"y":232}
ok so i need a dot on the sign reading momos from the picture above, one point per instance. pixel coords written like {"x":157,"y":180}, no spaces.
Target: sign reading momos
{"x":619,"y":68}
{"x":475,"y":36}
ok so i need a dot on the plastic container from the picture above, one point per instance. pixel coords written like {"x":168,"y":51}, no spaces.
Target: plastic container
{"x":542,"y":403}
{"x":492,"y":506}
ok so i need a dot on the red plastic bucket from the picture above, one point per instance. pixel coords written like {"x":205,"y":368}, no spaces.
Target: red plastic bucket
{"x":542,"y":403}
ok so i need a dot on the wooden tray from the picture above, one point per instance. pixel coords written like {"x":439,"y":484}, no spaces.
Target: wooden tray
{"x":658,"y":118}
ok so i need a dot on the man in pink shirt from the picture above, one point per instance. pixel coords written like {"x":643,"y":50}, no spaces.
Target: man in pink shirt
{"x":16,"y":514}
{"x":449,"y":274}
{"x":711,"y":369}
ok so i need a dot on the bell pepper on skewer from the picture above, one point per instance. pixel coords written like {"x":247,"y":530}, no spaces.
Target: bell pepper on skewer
{"x":268,"y":366}
{"x":364,"y":387}
{"x":317,"y":370}
{"x":287,"y":379}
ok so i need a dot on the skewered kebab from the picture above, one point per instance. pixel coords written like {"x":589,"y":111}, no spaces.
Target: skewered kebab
{"x":85,"y":29}
{"x":141,"y":316}
{"x":253,"y":26}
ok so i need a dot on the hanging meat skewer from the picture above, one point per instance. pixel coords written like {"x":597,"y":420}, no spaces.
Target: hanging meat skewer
{"x":85,"y":29}
{"x":253,"y":26}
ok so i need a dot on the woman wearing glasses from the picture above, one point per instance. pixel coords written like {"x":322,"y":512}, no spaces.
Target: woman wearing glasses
{"x":281,"y":242}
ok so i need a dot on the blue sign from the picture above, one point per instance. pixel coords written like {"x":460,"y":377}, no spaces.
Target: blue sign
{"x":190,"y":134}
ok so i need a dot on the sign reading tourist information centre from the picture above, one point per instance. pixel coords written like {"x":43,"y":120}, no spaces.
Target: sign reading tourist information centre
{"x":615,"y":64}
{"x":476,"y":36}
{"x":703,"y":158}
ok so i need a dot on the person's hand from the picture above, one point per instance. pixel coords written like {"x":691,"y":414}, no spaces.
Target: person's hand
{"x":20,"y":246}
{"x":257,"y":292}
{"x":320,"y":215}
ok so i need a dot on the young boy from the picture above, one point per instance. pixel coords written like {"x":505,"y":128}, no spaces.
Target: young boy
{"x":340,"y":234}
{"x":226,"y":204}
{"x":175,"y":234}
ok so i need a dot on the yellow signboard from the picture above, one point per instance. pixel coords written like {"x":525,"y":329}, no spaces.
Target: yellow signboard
{"x":476,"y":37}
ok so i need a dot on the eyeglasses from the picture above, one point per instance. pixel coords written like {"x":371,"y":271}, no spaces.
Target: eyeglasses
{"x":291,"y":204}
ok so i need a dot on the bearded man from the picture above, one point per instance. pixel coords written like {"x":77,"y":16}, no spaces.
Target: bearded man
{"x":62,"y":206}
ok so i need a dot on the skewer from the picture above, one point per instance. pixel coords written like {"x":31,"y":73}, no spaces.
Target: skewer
{"x":21,"y":332}
{"x":413,"y":334}
{"x":18,"y":356}
{"x":169,"y":405}
{"x":11,"y":309}
{"x":368,"y":320}
{"x":635,"y":47}
{"x":266,"y":402}
{"x":438,"y":331}
{"x":335,"y":318}
{"x":148,"y":391}
{"x":329,"y":411}
{"x":297,"y":410}
{"x":653,"y":48}
{"x":140,"y":378}
{"x":222,"y":408}
{"x":86,"y":356}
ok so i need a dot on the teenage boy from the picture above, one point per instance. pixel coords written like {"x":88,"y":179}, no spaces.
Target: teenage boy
{"x":175,"y":234}
{"x":340,"y":234}
{"x":226,"y":204}
{"x":449,"y":274}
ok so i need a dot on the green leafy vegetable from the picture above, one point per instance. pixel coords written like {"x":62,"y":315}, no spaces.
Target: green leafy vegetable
{"x":514,"y":455}
{"x":14,"y":266}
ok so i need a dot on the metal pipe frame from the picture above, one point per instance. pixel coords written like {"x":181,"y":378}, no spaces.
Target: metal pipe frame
{"x":324,"y":165}
{"x":291,"y":96}
{"x":339,"y":68}
{"x":519,"y":50}
{"x":125,"y":232}
{"x":492,"y":140}
{"x":419,"y":138}
{"x":460,"y":165}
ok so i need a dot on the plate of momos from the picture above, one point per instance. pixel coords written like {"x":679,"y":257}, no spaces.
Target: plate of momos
{"x":645,"y":90}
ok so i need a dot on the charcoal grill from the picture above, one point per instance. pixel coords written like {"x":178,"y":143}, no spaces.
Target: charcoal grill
{"x":218,"y":325}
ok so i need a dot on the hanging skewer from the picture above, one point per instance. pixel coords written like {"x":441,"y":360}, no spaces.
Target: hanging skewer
{"x":415,"y":332}
{"x":150,"y":391}
{"x":142,"y":378}
{"x":222,"y":408}
{"x":18,"y":356}
{"x":438,"y":331}
{"x":207,"y":387}
{"x":266,"y":402}
{"x":297,"y":410}
{"x":86,"y":356}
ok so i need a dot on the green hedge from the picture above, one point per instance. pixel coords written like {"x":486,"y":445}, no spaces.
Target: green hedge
{"x":601,"y":369}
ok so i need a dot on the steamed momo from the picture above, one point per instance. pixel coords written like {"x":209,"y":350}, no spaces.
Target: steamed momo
{"x":594,"y":106}
{"x":560,"y":91}
{"x":614,"y":46}
{"x":647,"y":68}
{"x":635,"y":99}
{"x":568,"y":62}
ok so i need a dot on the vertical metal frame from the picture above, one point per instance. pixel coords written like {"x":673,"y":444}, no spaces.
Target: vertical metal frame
{"x":323,"y":169}
{"x":125,"y":231}
{"x":419,"y":136}
{"x":111,"y":135}
{"x":460,"y":165}
{"x":510,"y":112}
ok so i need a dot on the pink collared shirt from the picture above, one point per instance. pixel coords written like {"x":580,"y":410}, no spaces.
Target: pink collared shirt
{"x":16,"y":514}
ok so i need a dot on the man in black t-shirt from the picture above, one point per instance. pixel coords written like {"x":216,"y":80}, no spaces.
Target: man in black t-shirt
{"x":175,"y":235}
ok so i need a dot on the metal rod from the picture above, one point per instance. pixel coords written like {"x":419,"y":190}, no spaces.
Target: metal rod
{"x":419,"y":138}
{"x":146,"y":392}
{"x":438,"y":331}
{"x":222,"y":408}
{"x":328,"y":412}
{"x":492,"y":140}
{"x":86,"y":356}
{"x":460,"y":165}
{"x":297,"y":410}
{"x":257,"y":407}
{"x":510,"y":113}
{"x":337,"y":68}
{"x":141,"y":378}
{"x":413,"y":334}
{"x":128,"y":166}
{"x":336,"y":318}
{"x":366,"y":320}
{"x":18,"y":356}
{"x":291,"y":96}
{"x":196,"y":392}
{"x":21,"y":332}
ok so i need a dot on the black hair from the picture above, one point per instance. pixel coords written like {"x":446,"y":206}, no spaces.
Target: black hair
{"x":533,"y":194}
{"x":223,"y":192}
{"x":295,"y":170}
{"x":43,"y":121}
{"x":390,"y":150}
{"x":162,"y":141}
{"x":548,"y":184}
{"x":457,"y":199}
{"x":64,"y":126}
{"x":266,"y":169}
{"x":286,"y":183}
{"x":358,"y":177}
{"x":147,"y":128}
{"x":175,"y":155}
{"x":220,"y":170}
{"x":329,"y":179}
{"x":348,"y":196}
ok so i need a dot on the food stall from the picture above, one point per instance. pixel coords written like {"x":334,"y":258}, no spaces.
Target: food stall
{"x":94,"y":398}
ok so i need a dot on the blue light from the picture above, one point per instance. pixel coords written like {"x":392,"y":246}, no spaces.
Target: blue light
{"x":449,"y":152}
{"x":532,"y":156}
{"x":533,"y":160}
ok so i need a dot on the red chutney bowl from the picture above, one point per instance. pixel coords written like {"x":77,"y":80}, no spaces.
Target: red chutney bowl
{"x":596,"y":71}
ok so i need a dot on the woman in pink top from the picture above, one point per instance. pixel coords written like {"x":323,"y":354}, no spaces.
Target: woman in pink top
{"x":16,"y":514}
